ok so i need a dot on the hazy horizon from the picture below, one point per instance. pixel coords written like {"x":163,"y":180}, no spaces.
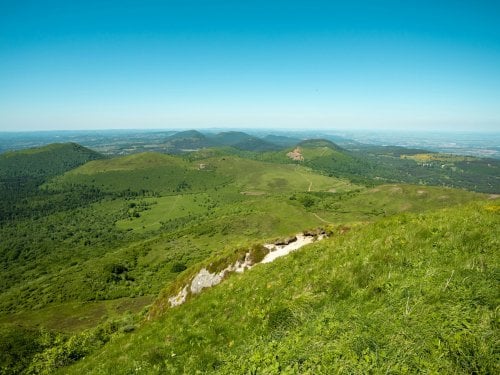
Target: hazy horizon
{"x":261,"y":129}
{"x":327,"y":65}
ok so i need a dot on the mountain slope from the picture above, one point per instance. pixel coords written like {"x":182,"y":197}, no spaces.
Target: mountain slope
{"x":243,"y":141}
{"x":187,"y":141}
{"x":23,"y":172}
{"x":281,"y":140}
{"x":144,"y":173}
{"x":320,"y":143}
{"x":192,"y":140}
{"x":410,"y":293}
{"x":45,"y":162}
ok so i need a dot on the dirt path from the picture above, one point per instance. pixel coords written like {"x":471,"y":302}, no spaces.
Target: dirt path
{"x":172,"y":206}
{"x":321,"y":219}
{"x":309,"y":188}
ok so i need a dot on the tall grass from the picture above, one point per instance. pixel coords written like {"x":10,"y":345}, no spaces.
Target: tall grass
{"x":412,"y":293}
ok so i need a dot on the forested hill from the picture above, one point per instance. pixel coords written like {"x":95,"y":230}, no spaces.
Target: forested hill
{"x":244,"y":141}
{"x":315,"y":143}
{"x":188,"y":141}
{"x":44,"y":162}
{"x":22,"y":173}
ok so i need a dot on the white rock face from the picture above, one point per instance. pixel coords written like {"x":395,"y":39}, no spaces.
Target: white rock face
{"x":180,"y":298}
{"x":206,"y":279}
{"x":242,"y":267}
{"x":282,"y":250}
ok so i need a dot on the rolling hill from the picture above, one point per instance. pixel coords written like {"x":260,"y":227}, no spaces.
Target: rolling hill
{"x":193,"y":140}
{"x":281,"y":140}
{"x":187,"y":141}
{"x":243,"y":141}
{"x":23,"y":172}
{"x":97,"y":243}
{"x":45,"y":162}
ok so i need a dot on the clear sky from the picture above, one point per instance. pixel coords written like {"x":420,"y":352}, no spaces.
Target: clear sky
{"x":430,"y":65}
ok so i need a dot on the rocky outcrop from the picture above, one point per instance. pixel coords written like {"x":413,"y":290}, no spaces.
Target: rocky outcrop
{"x":315,"y":232}
{"x":285,"y":241}
{"x":206,"y":279}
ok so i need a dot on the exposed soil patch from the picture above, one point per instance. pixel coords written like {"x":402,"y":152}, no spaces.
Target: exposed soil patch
{"x":296,"y":154}
{"x":285,"y":241}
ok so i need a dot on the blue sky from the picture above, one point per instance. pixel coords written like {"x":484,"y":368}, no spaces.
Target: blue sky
{"x":428,"y":65}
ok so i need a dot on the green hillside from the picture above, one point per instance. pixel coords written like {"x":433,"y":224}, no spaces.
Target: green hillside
{"x":193,"y":140}
{"x":45,"y":161}
{"x":243,"y":141}
{"x":187,"y":141}
{"x":411,"y":293}
{"x":373,"y":165}
{"x":281,"y":140}
{"x":90,"y":250}
{"x":319,"y":143}
{"x":156,"y":211}
{"x":23,"y":172}
{"x":145,"y":173}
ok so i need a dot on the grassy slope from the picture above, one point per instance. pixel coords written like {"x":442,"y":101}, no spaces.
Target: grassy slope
{"x":164,"y":174}
{"x":195,"y":214}
{"x":160,"y":232}
{"x":69,"y":256}
{"x":152,"y":172}
{"x":411,"y":293}
{"x":74,"y":317}
{"x":383,"y":201}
